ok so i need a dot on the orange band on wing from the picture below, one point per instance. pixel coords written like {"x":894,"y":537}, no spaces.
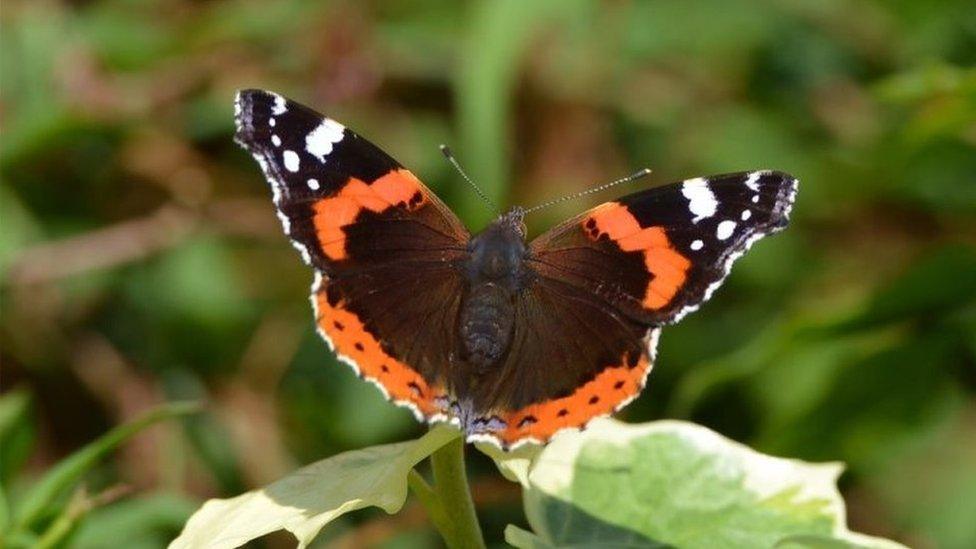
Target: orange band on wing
{"x":398,"y":188}
{"x":668,"y":267}
{"x":350,"y":339}
{"x":601,"y":396}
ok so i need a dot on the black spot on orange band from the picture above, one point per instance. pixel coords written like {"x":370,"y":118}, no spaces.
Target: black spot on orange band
{"x":600,"y":396}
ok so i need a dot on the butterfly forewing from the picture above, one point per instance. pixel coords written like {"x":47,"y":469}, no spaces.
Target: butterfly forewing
{"x":658,"y":254}
{"x":384,"y":245}
{"x":330,"y":185}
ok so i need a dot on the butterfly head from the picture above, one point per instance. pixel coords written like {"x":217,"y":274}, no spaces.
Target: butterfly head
{"x":514,"y":219}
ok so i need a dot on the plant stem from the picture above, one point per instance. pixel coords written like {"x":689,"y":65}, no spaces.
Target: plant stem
{"x":431,"y":502}
{"x":460,"y":529}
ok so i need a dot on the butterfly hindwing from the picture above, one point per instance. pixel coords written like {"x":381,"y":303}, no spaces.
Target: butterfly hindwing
{"x":401,"y":349}
{"x":573,"y":357}
{"x":382,"y":243}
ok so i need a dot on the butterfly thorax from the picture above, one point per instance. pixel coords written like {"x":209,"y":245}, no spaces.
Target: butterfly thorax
{"x":494,"y":274}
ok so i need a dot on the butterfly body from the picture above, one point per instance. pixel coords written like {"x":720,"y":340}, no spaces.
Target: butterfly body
{"x":511,"y":339}
{"x":495,"y":273}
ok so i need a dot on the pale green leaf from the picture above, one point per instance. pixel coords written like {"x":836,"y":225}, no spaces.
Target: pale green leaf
{"x":513,"y":465}
{"x":311,"y":497}
{"x":518,"y":537}
{"x":597,"y":537}
{"x":850,"y":541}
{"x":674,"y":483}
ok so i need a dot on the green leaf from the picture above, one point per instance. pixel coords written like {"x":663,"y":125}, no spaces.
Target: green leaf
{"x":673,"y":483}
{"x":853,"y":541}
{"x":16,"y":433}
{"x":598,"y":540}
{"x":66,"y":473}
{"x":143,"y":522}
{"x":20,"y":227}
{"x":518,"y":537}
{"x":16,"y":441}
{"x":514,"y":465}
{"x":311,"y":497}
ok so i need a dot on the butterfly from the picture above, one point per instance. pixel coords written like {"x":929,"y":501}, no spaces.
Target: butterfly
{"x":511,"y":340}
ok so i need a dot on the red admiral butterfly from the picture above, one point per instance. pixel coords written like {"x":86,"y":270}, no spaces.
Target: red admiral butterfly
{"x":511,"y":340}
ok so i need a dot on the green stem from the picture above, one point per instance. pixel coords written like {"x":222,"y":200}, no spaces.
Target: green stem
{"x":60,"y":529}
{"x":460,"y":527}
{"x":431,"y":502}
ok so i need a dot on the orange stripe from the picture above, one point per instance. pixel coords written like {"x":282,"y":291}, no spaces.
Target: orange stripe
{"x":397,"y":189}
{"x":350,"y":338}
{"x":598,"y":397}
{"x":669,"y":269}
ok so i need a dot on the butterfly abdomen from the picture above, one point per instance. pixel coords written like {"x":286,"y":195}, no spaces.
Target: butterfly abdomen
{"x":487,"y":318}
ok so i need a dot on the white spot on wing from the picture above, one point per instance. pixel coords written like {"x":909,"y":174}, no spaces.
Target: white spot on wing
{"x":753,"y":181}
{"x":755,"y":199}
{"x":697,"y":245}
{"x":272,"y":122}
{"x":746,"y":214}
{"x":279,"y":105}
{"x":275,"y":140}
{"x":319,"y":141}
{"x":784,"y":206}
{"x":313,"y":184}
{"x":725,"y":229}
{"x":291,"y":161}
{"x":701,"y":199}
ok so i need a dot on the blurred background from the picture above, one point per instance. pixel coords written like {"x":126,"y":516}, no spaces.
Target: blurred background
{"x":142,"y":262}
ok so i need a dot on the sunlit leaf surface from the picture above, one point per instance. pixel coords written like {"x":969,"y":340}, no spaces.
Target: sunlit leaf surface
{"x":676,"y":484}
{"x":311,"y":497}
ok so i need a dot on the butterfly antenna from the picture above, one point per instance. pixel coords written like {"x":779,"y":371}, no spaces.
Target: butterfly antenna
{"x":446,"y":151}
{"x":632,"y":177}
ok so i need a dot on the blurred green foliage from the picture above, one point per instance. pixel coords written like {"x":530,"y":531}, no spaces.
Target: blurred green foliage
{"x":141,"y":261}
